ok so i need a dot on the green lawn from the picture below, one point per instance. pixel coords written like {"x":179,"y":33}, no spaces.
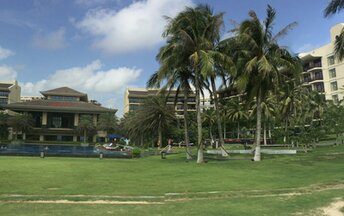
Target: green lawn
{"x":278,"y":185}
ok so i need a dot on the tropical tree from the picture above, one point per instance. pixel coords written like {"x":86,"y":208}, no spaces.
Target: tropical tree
{"x":86,"y":126}
{"x":269,"y":110}
{"x":292,"y":97}
{"x":20,"y":123}
{"x":263,"y":60}
{"x":3,"y":125}
{"x":108,"y":122}
{"x":175,"y":77}
{"x":195,"y":31}
{"x":332,"y":8}
{"x":236,"y":112}
{"x":154,"y":116}
{"x":133,"y":129}
{"x":209,"y":117}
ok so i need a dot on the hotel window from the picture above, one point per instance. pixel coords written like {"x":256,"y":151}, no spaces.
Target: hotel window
{"x":3,"y":101}
{"x":335,"y":99}
{"x":334,"y":86}
{"x":4,"y":93}
{"x":332,"y":73}
{"x":330,"y":60}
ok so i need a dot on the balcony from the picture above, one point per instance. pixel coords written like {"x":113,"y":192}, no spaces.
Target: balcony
{"x":311,"y":66}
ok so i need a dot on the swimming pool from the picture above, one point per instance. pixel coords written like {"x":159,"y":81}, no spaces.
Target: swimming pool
{"x":59,"y":150}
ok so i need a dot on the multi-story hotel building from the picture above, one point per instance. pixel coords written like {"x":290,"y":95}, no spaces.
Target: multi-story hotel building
{"x":322,"y":72}
{"x":57,"y":115}
{"x":9,"y":92}
{"x":134,"y":97}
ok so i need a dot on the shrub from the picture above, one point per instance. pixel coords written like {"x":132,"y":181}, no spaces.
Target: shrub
{"x":136,"y":152}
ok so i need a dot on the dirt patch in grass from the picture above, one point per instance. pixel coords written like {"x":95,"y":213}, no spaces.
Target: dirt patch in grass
{"x":334,"y":209}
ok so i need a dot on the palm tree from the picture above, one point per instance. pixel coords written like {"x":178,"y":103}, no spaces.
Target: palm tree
{"x":292,"y":97}
{"x":154,"y":116}
{"x":332,"y":8}
{"x":20,"y":123}
{"x":134,"y":130}
{"x":194,"y":32}
{"x":174,"y":77}
{"x":263,"y":60}
{"x":209,"y":117}
{"x":86,"y":126}
{"x":108,"y":122}
{"x":236,"y":112}
{"x":3,"y":125}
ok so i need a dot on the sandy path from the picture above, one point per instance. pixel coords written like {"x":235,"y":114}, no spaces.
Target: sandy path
{"x":334,"y":209}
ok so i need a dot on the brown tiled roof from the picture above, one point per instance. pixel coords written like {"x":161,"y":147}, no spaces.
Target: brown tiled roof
{"x":63,"y":91}
{"x":57,"y":106}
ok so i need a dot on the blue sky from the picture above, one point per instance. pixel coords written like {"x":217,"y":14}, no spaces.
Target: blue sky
{"x":103,"y":46}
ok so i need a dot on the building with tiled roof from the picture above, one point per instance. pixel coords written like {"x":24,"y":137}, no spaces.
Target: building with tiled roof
{"x":57,"y":115}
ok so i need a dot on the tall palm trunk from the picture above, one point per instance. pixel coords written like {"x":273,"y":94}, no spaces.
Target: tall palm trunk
{"x":200,"y":158}
{"x":238,"y":130}
{"x":285,"y":130}
{"x":159,"y":134}
{"x":264,"y":125}
{"x":218,"y":118}
{"x":85,"y":136}
{"x":257,"y":153}
{"x":186,"y":127}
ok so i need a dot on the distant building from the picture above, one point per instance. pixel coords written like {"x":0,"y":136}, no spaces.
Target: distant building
{"x":9,"y":92}
{"x":30,"y":98}
{"x":57,"y":115}
{"x":322,"y":72}
{"x":134,"y":97}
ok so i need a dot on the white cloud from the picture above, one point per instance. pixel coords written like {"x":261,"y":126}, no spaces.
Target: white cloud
{"x":137,"y":26}
{"x":5,"y":53}
{"x":7,"y":72}
{"x":106,"y":86}
{"x":53,"y":40}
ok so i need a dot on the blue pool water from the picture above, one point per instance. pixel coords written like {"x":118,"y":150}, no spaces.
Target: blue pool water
{"x":57,"y":150}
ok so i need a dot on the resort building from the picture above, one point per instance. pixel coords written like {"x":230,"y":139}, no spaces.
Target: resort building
{"x":9,"y":92}
{"x":57,"y":115}
{"x":322,"y":72}
{"x":30,"y":98}
{"x":134,"y":97}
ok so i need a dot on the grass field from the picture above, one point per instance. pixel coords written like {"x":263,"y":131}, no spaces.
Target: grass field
{"x":279,"y":185}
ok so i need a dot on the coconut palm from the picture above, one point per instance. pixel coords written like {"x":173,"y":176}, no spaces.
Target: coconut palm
{"x":175,"y":77}
{"x":86,"y":126}
{"x":332,"y":8}
{"x":20,"y":123}
{"x":209,"y":117}
{"x":291,"y":98}
{"x":108,"y":122}
{"x":263,"y":60}
{"x":154,"y":116}
{"x":195,"y":32}
{"x":236,"y":112}
{"x":3,"y":125}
